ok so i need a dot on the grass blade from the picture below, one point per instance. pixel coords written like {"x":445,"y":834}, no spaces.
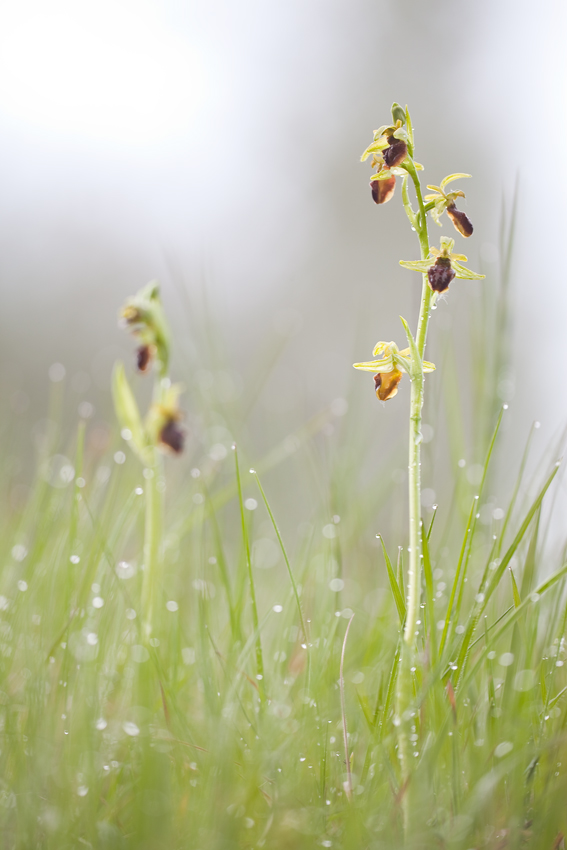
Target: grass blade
{"x":284,"y":553}
{"x":396,"y":592}
{"x":246,"y":541}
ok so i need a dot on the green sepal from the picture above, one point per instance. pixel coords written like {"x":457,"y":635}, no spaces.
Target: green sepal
{"x":398,"y":113}
{"x":417,"y":265}
{"x":381,"y":131}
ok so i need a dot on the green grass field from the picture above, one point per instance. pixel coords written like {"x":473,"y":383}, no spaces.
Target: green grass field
{"x":215,"y":734}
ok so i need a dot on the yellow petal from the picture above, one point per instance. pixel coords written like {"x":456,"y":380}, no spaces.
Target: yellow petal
{"x":382,"y":346}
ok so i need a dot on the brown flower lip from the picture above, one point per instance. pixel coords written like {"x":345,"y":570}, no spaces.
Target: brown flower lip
{"x":382,"y":190}
{"x":460,"y":220}
{"x":386,"y":384}
{"x":396,"y":153}
{"x":440,"y":274}
{"x":172,"y":436}
{"x":144,"y":357}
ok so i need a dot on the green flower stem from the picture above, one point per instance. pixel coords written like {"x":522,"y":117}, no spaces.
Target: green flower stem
{"x":416,"y":405}
{"x":152,"y":541}
{"x":405,"y":679}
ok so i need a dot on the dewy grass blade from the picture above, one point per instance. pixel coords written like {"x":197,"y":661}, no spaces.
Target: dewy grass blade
{"x":515,"y":614}
{"x":396,"y":592}
{"x":221,"y":561}
{"x":499,"y":572}
{"x":453,"y":610}
{"x":246,"y":542}
{"x":390,"y":693}
{"x":486,"y":591}
{"x":519,"y":478}
{"x":515,"y":591}
{"x":348,"y":783}
{"x":400,"y":571}
{"x":430,"y":627}
{"x":530,"y":564}
{"x":456,"y":579}
{"x":430,"y":529}
{"x":284,"y":553}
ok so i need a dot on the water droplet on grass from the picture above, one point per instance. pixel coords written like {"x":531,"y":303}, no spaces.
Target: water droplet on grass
{"x":503,"y":749}
{"x":125,"y":570}
{"x":19,"y":552}
{"x":130,"y":728}
{"x":56,"y":372}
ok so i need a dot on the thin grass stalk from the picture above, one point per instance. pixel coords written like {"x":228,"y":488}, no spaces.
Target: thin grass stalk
{"x":348,"y":783}
{"x":255,"y":621}
{"x":152,"y":543}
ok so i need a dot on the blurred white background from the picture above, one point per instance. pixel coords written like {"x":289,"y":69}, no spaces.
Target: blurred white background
{"x":216,"y":147}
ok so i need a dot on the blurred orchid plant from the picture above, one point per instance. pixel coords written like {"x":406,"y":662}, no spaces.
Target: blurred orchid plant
{"x":159,"y":431}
